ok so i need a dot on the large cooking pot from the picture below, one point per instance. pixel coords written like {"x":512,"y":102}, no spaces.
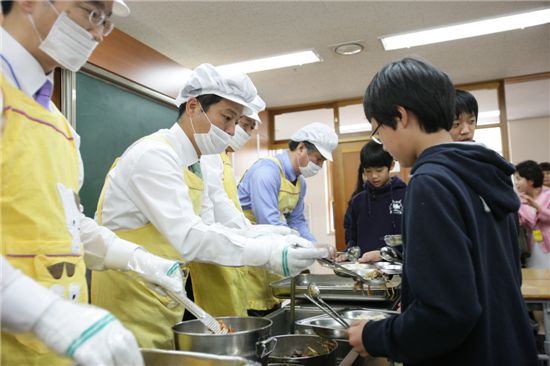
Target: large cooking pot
{"x":193,"y":336}
{"x":300,"y":349}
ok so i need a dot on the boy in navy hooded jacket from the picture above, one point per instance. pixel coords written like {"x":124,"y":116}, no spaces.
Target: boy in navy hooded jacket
{"x":461,"y":300}
{"x":378,"y":209}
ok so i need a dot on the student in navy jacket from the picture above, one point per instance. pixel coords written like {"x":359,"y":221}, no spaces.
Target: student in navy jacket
{"x":377,"y":210}
{"x":461,"y":299}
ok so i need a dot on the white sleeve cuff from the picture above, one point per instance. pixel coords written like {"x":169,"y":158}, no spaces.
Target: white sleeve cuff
{"x":119,"y":253}
{"x":23,"y":303}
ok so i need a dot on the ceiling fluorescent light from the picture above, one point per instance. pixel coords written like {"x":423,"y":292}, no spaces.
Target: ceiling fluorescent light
{"x":274,"y":62}
{"x":466,"y":30}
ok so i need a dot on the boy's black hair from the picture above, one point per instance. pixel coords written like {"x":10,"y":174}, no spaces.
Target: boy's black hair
{"x":206,"y":100}
{"x":292,"y":145}
{"x":465,"y":103}
{"x":545,"y":166}
{"x":374,"y":156}
{"x":6,"y":6}
{"x":416,"y":86}
{"x":530,"y":170}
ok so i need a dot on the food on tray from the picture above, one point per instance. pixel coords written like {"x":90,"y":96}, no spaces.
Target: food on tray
{"x":370,"y":317}
{"x":375,"y":275}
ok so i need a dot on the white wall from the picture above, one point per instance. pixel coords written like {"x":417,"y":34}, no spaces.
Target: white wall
{"x":529,"y":139}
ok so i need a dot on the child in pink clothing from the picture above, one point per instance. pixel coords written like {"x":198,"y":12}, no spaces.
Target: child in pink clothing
{"x":534,"y":213}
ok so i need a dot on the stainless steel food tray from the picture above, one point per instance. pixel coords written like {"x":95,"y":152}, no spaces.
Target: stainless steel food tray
{"x":327,"y":327}
{"x":332,"y":288}
{"x":158,"y":357}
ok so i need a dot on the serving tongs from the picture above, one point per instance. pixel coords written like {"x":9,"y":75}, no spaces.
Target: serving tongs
{"x":314,"y":295}
{"x":333,"y":265}
{"x":212,"y":324}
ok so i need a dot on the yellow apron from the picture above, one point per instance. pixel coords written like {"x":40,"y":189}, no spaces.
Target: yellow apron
{"x":39,"y":211}
{"x":220,"y":290}
{"x":259,"y":294}
{"x":142,"y":310}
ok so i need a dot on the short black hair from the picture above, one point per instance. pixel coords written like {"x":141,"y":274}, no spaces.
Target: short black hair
{"x":416,"y":86}
{"x":530,"y":170}
{"x":292,"y":145}
{"x":6,"y":6}
{"x":465,"y":103}
{"x":374,"y":156}
{"x":545,"y":166}
{"x":206,"y":100}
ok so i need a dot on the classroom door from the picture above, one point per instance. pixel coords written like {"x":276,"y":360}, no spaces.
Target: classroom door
{"x":346,"y":162}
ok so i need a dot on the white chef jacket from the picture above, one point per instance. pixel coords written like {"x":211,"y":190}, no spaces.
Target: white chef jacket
{"x":24,"y":71}
{"x":147,"y":186}
{"x":217,"y":206}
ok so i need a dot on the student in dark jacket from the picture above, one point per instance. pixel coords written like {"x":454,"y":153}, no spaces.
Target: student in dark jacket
{"x":461,"y":299}
{"x":377,"y":210}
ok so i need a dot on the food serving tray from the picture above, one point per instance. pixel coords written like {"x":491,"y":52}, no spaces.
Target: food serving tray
{"x":327,"y":327}
{"x":332,"y":287}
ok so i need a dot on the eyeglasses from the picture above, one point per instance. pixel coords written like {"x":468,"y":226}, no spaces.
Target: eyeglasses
{"x":374,"y":136}
{"x":98,"y":18}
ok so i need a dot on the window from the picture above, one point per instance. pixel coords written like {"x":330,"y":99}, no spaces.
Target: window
{"x":285,"y":124}
{"x":492,"y":128}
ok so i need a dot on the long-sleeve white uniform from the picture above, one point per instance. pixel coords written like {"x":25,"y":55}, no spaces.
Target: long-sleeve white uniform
{"x":147,"y":186}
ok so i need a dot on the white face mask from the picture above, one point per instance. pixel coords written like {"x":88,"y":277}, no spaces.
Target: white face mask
{"x":67,"y":43}
{"x":239,"y":139}
{"x":215,"y":141}
{"x":310,"y":169}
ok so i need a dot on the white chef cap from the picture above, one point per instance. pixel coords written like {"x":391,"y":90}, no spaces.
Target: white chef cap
{"x":207,"y":79}
{"x":256,"y":107}
{"x":323,"y":137}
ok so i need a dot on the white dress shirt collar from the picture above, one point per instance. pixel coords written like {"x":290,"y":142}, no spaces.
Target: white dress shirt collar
{"x":27,"y":71}
{"x":184,"y":148}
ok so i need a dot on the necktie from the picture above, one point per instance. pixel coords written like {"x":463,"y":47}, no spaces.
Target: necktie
{"x":196,"y":169}
{"x":44,"y":94}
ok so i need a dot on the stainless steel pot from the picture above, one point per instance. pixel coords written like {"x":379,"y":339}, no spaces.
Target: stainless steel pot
{"x":193,"y":336}
{"x":159,"y":357}
{"x":313,"y":349}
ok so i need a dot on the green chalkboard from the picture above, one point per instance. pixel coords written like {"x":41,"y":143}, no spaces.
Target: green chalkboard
{"x":109,"y":119}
